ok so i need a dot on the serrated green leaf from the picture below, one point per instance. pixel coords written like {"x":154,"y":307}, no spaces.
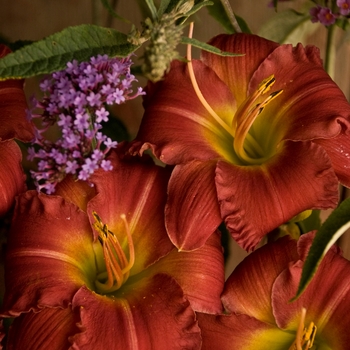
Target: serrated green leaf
{"x":288,"y":26}
{"x":52,"y":53}
{"x":206,"y":47}
{"x":336,"y":224}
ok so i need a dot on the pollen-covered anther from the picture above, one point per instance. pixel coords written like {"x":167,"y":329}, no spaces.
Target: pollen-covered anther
{"x":305,"y":335}
{"x":244,"y":144}
{"x":118,"y":264}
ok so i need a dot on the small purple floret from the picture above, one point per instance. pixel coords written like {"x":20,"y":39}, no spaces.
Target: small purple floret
{"x":323,"y":15}
{"x":344,"y":7}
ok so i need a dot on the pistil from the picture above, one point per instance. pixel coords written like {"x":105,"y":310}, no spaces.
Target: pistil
{"x":118,"y":264}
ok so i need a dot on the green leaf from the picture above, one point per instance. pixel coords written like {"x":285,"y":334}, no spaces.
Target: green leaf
{"x":52,"y":53}
{"x":111,"y":11}
{"x":145,"y":12}
{"x":217,"y":11}
{"x":164,"y":5}
{"x":243,"y":25}
{"x":336,"y":224}
{"x":197,"y":7}
{"x":288,"y":26}
{"x":167,"y":5}
{"x":152,"y":8}
{"x":206,"y":47}
{"x":115,"y":129}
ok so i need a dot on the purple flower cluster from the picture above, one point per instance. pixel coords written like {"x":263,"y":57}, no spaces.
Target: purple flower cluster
{"x":325,"y":15}
{"x":75,"y":100}
{"x":344,"y":7}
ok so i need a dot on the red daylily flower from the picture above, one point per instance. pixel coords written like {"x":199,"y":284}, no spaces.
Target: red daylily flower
{"x":13,"y":124}
{"x":97,"y":270}
{"x":264,"y":137}
{"x":259,"y":314}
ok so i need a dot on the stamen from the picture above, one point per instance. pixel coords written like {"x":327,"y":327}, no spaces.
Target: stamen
{"x":117,"y":264}
{"x":305,"y":336}
{"x":197,"y":89}
{"x":245,"y":117}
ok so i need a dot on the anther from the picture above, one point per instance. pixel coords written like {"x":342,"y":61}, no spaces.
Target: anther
{"x":305,"y":337}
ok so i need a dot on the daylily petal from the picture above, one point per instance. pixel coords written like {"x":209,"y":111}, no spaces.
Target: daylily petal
{"x":326,"y":298}
{"x":75,"y":191}
{"x":236,"y":72}
{"x":49,"y":328}
{"x":248,"y":289}
{"x":200,"y":274}
{"x":338,"y":149}
{"x":13,"y":108}
{"x":171,"y":111}
{"x":286,"y":188}
{"x":137,"y":189}
{"x":241,"y":332}
{"x":49,"y":253}
{"x":192,"y":212}
{"x":149,"y":314}
{"x":311,"y":106}
{"x":12,"y":178}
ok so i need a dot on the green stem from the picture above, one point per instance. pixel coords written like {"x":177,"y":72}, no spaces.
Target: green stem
{"x":329,"y":64}
{"x":231,"y":16}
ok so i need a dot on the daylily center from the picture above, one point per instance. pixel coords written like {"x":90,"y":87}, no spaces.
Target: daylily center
{"x":305,"y":335}
{"x":117,"y":263}
{"x":246,"y":147}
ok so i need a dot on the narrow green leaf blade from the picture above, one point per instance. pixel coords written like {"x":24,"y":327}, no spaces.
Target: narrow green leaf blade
{"x":163,"y":7}
{"x":217,"y":11}
{"x":52,"y":53}
{"x":197,"y":7}
{"x":111,"y":11}
{"x":152,"y":8}
{"x":336,"y":224}
{"x":206,"y":47}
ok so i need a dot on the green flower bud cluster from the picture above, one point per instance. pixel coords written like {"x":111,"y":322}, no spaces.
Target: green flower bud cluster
{"x":164,"y":35}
